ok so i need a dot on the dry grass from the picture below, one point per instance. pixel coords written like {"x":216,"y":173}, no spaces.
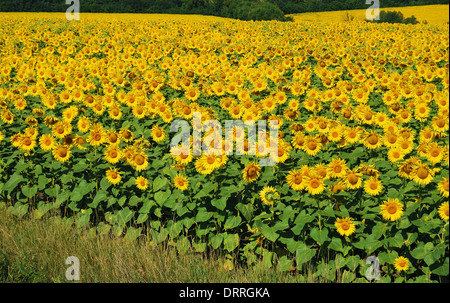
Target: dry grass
{"x":35,"y":250}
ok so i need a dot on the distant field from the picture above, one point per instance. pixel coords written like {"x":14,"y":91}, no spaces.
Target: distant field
{"x":433,"y":14}
{"x":93,"y":16}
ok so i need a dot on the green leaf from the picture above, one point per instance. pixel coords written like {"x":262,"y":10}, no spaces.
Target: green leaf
{"x":230,"y":242}
{"x":220,"y":203}
{"x":133,"y":233}
{"x":422,"y":250}
{"x":206,"y":190}
{"x":269,"y":233}
{"x":104,"y":183}
{"x":99,"y":197}
{"x":174,"y":228}
{"x":42,"y":182}
{"x":387,"y":257}
{"x":82,"y":218}
{"x":216,"y":240}
{"x":124,"y":216}
{"x":199,"y":247}
{"x":284,"y":263}
{"x":232,"y":222}
{"x":441,"y":269}
{"x":159,"y":183}
{"x":203,"y":215}
{"x":246,"y":210}
{"x":19,"y":209}
{"x":142,"y":218}
{"x":397,"y":240}
{"x":335,"y":244}
{"x":372,"y":244}
{"x":29,"y":192}
{"x":12,"y":183}
{"x":303,"y":254}
{"x":161,"y":197}
{"x":320,"y":236}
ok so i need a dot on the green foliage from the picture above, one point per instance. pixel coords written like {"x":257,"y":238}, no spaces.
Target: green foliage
{"x":395,"y":17}
{"x":242,"y":9}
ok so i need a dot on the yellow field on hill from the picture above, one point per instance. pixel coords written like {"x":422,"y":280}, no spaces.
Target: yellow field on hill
{"x":99,"y":16}
{"x":433,"y":14}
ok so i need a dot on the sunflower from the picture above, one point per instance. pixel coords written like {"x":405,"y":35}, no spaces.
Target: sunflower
{"x":68,"y":140}
{"x":337,"y":168}
{"x":46,"y":142}
{"x":182,"y":155}
{"x":139,"y":161}
{"x":426,"y":134}
{"x":345,"y":226}
{"x":352,"y":179}
{"x":444,"y":187}
{"x":439,"y":124}
{"x":395,"y":154}
{"x":31,"y":121}
{"x":421,"y":112}
{"x":97,"y":135}
{"x":181,"y":182}
{"x":126,"y":135}
{"x":298,"y":140}
{"x":405,"y":145}
{"x":61,"y":129}
{"x":443,"y":211}
{"x":113,"y":176}
{"x":352,"y":134}
{"x":112,"y":137}
{"x":391,"y":209}
{"x":314,"y":185}
{"x":113,"y":154}
{"x":141,"y":183}
{"x":192,"y":93}
{"x":115,"y":112}
{"x":372,"y":140}
{"x":434,"y":153}
{"x":373,"y":186}
{"x":69,"y":114}
{"x":1,"y":136}
{"x":282,"y":153}
{"x":312,"y":145}
{"x":251,"y":172}
{"x":269,"y":195}
{"x":61,"y":152}
{"x":295,"y":180}
{"x":27,"y":143}
{"x":335,"y":133}
{"x":83,"y":124}
{"x":207,"y":163}
{"x":401,"y":263}
{"x":422,"y":174}
{"x":139,"y":111}
{"x":390,"y":139}
{"x":158,"y":133}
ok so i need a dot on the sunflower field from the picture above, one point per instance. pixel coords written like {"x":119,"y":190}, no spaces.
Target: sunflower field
{"x":363,"y":150}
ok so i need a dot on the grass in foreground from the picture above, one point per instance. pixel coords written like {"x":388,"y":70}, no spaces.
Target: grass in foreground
{"x":35,"y":250}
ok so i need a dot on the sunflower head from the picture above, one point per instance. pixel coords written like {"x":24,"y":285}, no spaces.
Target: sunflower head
{"x":269,"y":195}
{"x":345,"y":226}
{"x":391,"y":209}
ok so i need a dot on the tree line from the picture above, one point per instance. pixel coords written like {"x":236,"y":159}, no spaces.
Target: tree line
{"x":237,"y":9}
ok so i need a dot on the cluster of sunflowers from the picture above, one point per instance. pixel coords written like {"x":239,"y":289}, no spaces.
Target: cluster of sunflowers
{"x":362,"y":121}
